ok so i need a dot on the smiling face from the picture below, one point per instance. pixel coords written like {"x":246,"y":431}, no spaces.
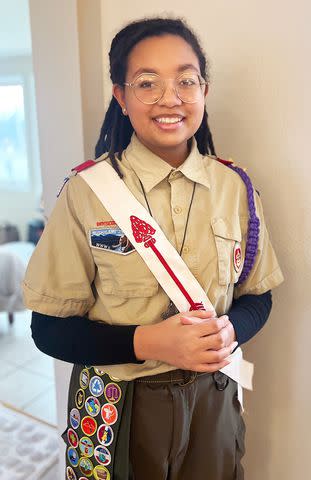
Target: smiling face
{"x":166,"y":126}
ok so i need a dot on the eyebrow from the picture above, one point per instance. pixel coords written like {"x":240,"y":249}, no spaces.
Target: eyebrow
{"x":181,"y":68}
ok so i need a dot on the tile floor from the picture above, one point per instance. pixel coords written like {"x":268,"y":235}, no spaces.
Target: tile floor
{"x":27,"y":375}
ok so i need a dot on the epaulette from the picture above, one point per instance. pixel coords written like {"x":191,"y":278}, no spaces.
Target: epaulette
{"x":252,"y":239}
{"x":75,"y":170}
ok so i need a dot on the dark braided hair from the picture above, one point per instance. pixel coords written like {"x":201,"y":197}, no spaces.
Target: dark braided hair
{"x":117,"y":129}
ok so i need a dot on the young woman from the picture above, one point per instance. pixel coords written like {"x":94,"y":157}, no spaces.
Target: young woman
{"x":149,"y":397}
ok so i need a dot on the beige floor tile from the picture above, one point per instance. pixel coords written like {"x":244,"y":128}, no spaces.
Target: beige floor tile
{"x":7,"y":368}
{"x":44,"y":407}
{"x":18,"y":351}
{"x":42,"y":365}
{"x":20,"y":327}
{"x":21,"y":387}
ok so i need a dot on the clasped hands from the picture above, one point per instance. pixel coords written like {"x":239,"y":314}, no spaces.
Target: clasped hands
{"x":195,"y":340}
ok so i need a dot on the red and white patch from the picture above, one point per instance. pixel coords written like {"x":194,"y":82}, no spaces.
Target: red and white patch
{"x":237,"y":257}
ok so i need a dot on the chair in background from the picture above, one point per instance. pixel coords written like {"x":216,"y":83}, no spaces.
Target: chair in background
{"x":14,"y":257}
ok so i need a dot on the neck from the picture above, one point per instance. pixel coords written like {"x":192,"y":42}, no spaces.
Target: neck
{"x":174,"y":156}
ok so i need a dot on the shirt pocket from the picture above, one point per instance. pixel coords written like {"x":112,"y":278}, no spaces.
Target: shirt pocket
{"x":227,"y":235}
{"x":126,"y":276}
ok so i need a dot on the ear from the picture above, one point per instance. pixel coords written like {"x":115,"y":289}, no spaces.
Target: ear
{"x":206,"y":90}
{"x":118,"y":93}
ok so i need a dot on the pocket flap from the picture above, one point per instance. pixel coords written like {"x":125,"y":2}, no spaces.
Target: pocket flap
{"x":227,"y":228}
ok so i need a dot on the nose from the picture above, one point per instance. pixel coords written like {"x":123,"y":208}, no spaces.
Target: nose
{"x":169,"y":97}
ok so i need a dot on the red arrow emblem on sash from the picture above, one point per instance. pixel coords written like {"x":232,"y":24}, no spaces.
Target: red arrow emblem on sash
{"x":143,"y":233}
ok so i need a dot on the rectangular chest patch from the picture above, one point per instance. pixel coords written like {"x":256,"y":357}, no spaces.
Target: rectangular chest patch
{"x":110,"y":239}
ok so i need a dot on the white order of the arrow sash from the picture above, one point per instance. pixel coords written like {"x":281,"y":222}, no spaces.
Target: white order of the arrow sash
{"x":159,"y":254}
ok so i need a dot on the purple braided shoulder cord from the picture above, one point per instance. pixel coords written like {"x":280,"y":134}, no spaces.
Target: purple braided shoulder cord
{"x":253,"y":227}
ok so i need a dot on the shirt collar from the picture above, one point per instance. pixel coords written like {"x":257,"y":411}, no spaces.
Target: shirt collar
{"x":152,"y":169}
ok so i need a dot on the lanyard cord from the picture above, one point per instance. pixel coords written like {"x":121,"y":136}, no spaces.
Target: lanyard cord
{"x":188,"y":214}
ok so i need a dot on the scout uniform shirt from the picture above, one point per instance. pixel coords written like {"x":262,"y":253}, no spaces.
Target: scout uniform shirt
{"x":83,"y":264}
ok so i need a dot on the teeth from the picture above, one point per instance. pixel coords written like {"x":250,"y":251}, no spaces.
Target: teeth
{"x":169,"y":120}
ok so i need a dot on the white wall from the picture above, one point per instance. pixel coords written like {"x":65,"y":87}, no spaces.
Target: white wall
{"x":15,"y":38}
{"x":19,"y":207}
{"x":54,"y":27}
{"x":91,"y":68}
{"x":58,"y":91}
{"x":259,"y":104}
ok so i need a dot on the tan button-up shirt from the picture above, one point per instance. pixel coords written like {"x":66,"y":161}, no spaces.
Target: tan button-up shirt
{"x":67,"y":275}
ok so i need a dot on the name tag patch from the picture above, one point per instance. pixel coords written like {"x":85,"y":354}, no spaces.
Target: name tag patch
{"x":110,"y":239}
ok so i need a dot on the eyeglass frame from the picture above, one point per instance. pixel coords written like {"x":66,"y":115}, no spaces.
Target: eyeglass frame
{"x":131,"y":85}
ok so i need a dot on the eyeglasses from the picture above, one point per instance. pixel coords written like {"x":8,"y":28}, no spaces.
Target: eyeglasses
{"x":149,"y":88}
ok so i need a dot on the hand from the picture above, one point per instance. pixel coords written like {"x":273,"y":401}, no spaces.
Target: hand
{"x":220,"y":338}
{"x":189,"y":346}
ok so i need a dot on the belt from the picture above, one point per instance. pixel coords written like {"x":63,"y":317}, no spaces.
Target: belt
{"x":184,"y":377}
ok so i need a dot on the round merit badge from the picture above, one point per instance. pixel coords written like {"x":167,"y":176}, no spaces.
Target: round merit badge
{"x":86,"y":447}
{"x":105,"y":435}
{"x":86,"y":466}
{"x":237,"y":256}
{"x":92,"y":406}
{"x":70,"y":474}
{"x":113,"y":392}
{"x":73,"y":456}
{"x":89,"y":426}
{"x":96,"y":386}
{"x":73,"y":438}
{"x":74,"y":418}
{"x":84,"y":378}
{"x":101,"y":473}
{"x":109,"y":413}
{"x":102,"y":455}
{"x":80,"y":398}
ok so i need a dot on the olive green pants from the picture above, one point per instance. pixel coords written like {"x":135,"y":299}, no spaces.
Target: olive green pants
{"x":186,"y":426}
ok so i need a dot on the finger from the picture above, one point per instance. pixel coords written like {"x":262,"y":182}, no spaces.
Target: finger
{"x":186,"y":320}
{"x":212,"y":325}
{"x":212,"y":367}
{"x":199,"y":314}
{"x":216,"y":356}
{"x":192,"y":320}
{"x":218,"y":340}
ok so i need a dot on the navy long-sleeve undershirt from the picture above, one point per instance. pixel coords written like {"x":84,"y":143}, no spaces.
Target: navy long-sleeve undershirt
{"x":79,"y":340}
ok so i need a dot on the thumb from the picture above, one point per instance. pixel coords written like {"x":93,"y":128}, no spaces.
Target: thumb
{"x":185,"y":320}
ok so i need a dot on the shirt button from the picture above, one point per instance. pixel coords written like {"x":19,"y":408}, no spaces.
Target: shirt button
{"x":186,"y":249}
{"x":177,"y":209}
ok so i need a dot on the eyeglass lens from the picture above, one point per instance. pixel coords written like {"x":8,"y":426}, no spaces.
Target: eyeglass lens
{"x":149,"y":88}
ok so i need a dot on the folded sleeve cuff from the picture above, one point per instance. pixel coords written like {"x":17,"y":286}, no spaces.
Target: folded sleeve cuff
{"x":57,"y":307}
{"x":271,"y":281}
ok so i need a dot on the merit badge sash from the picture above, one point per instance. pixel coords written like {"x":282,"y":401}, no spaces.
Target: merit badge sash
{"x":159,"y":254}
{"x":98,"y":425}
